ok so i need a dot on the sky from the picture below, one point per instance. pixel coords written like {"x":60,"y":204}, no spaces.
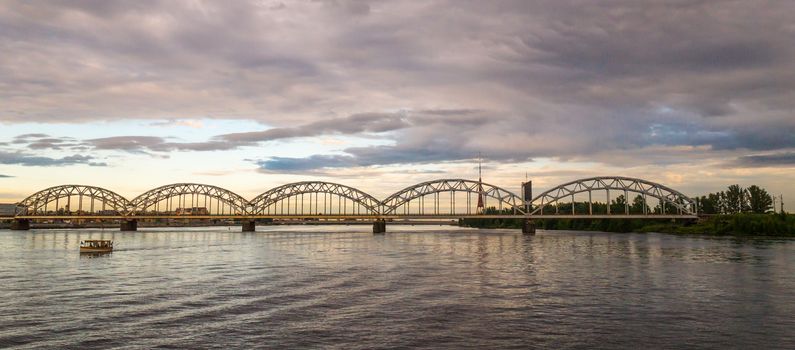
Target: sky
{"x":380,"y":95}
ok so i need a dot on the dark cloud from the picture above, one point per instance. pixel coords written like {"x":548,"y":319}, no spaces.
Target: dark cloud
{"x":18,"y":158}
{"x":354,"y":124}
{"x":135,"y":144}
{"x":612,"y":49}
{"x":362,"y":123}
{"x":5,"y":176}
{"x":55,"y":144}
{"x":758,"y":139}
{"x":781,"y":159}
{"x":144,"y":144}
{"x":289,"y":165}
{"x":513,"y":79}
{"x":381,"y":155}
{"x":30,"y":136}
{"x":47,"y":142}
{"x":750,"y":138}
{"x":27,"y":138}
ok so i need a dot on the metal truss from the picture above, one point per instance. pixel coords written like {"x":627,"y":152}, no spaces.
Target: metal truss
{"x":272,"y":196}
{"x":149,"y":200}
{"x":683,"y":204}
{"x":106,"y":202}
{"x":393,"y":202}
{"x":88,"y":196}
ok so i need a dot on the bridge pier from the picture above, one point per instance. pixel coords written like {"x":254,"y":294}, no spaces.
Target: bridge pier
{"x":528,"y":227}
{"x":249,"y":226}
{"x":129,"y":225}
{"x":379,"y":226}
{"x":20,"y":224}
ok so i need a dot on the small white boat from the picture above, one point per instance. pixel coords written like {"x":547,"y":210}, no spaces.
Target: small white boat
{"x":96,"y":246}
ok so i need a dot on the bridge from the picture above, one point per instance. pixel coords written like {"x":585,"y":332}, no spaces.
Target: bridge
{"x":604,"y":197}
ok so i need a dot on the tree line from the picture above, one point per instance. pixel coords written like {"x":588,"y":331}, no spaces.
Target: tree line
{"x":618,"y":205}
{"x":735,"y":200}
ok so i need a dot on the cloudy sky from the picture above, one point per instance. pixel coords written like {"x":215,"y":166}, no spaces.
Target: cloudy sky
{"x":382,"y":94}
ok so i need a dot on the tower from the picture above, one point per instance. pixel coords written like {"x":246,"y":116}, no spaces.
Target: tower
{"x":527,"y":193}
{"x":781,"y":202}
{"x":481,"y":207}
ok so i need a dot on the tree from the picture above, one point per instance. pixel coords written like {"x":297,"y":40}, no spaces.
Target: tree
{"x":759,"y":201}
{"x":637,"y":206}
{"x":619,"y":205}
{"x":736,"y":199}
{"x":710,"y":204}
{"x":664,"y":207}
{"x":722,"y":207}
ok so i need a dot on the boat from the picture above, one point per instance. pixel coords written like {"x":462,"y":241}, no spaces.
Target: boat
{"x":96,"y":246}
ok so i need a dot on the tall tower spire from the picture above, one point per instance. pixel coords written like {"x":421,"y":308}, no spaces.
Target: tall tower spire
{"x":480,"y":168}
{"x":481,"y":205}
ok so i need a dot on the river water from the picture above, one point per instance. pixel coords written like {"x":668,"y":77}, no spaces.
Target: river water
{"x":414,"y":287}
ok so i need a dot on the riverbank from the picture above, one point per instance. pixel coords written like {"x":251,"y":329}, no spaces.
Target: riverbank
{"x":723,"y":225}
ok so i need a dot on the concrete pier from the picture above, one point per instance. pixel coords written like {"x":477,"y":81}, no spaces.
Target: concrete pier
{"x":249,"y":226}
{"x":20,"y":224}
{"x":129,"y":225}
{"x":529,"y":227}
{"x":379,"y":226}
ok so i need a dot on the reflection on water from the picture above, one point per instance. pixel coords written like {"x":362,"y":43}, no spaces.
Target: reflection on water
{"x":89,"y":255}
{"x":430,"y":287}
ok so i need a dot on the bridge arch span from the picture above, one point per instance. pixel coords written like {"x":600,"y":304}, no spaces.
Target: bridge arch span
{"x":274,"y":200}
{"x":191,"y":199}
{"x":58,"y":200}
{"x":625,"y":185}
{"x":403,"y":198}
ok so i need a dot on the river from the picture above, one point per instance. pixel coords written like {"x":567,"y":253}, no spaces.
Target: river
{"x":414,"y":287}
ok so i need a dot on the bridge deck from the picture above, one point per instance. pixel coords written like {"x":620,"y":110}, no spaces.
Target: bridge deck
{"x":341,"y":217}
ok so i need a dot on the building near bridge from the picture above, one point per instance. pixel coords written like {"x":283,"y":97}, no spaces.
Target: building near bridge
{"x":108,"y":212}
{"x":192,"y":211}
{"x":11,"y":209}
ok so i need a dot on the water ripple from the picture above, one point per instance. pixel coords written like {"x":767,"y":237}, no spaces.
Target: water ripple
{"x":415,"y":287}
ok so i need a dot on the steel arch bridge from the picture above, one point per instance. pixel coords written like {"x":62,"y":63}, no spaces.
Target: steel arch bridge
{"x":266,"y":202}
{"x":161,"y":198}
{"x":403,"y":197}
{"x":110,"y":203}
{"x":340,"y":202}
{"x":666,"y":195}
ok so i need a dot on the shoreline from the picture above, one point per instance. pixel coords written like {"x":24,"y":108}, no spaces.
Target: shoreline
{"x":729,"y":225}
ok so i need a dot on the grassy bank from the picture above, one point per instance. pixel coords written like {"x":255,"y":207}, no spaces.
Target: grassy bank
{"x":734,"y":225}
